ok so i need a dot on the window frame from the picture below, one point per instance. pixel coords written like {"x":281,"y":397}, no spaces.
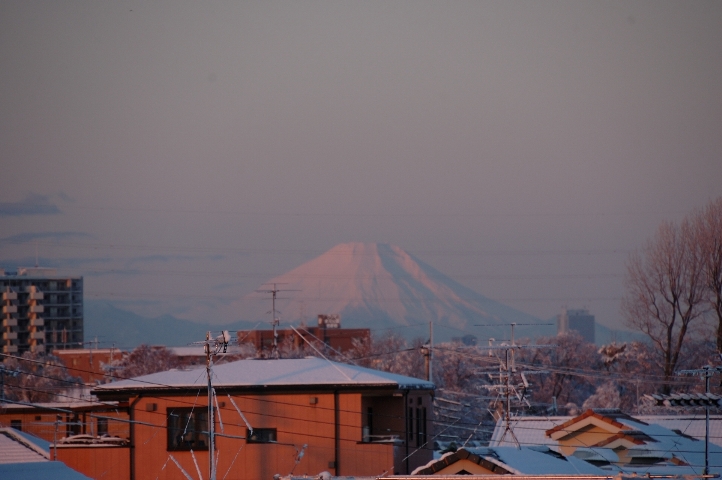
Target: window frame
{"x":254,"y":438}
{"x":187,"y":429}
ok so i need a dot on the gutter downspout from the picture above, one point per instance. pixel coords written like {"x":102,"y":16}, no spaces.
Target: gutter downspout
{"x":337,"y":432}
{"x":406,"y":429}
{"x":132,"y":435}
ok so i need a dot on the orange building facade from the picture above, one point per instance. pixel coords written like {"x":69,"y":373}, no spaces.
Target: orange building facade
{"x":89,"y":364}
{"x":338,"y":339}
{"x":89,"y":437}
{"x":301,"y":416}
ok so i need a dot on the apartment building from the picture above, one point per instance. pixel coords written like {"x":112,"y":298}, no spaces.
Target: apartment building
{"x":41,"y":311}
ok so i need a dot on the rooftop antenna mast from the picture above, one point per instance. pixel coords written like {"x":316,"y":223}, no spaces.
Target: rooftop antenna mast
{"x":275,"y":320}
{"x":507,"y":368}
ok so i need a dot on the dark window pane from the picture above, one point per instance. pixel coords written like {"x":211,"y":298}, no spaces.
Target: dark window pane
{"x":261,"y":435}
{"x":187,"y":429}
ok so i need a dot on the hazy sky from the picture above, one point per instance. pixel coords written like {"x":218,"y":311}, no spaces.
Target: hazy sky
{"x":178,"y":154}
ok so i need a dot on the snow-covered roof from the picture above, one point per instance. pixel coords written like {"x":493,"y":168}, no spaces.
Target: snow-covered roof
{"x":532,"y":430}
{"x":651,"y":440}
{"x":529,"y":431}
{"x":60,"y":406}
{"x":289,"y":373}
{"x":692,"y":425}
{"x":516,"y":461}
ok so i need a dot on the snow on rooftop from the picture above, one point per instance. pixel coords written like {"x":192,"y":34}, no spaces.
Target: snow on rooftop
{"x":280,"y":372}
{"x":532,"y":430}
{"x":533,"y":461}
{"x":528,"y":430}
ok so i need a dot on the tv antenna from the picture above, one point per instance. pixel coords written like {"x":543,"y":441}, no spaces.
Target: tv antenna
{"x":275,"y":320}
{"x":507,"y":369}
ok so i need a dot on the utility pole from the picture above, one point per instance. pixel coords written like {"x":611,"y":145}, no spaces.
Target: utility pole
{"x":211,"y":419}
{"x":55,"y":438}
{"x":707,"y":371}
{"x":507,"y":368}
{"x":212,"y":347}
{"x":428,"y":352}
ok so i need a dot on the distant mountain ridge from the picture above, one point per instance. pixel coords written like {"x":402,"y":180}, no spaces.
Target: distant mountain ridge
{"x":126,"y":330}
{"x":376,"y":286}
{"x":381,"y":286}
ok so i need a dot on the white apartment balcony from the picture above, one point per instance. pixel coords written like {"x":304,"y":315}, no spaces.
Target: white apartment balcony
{"x":10,"y":296}
{"x":10,"y":322}
{"x":10,"y":336}
{"x":37,"y":335}
{"x":36,"y":309}
{"x":10,"y":309}
{"x":35,"y":296}
{"x":10,"y":349}
{"x":37,"y":322}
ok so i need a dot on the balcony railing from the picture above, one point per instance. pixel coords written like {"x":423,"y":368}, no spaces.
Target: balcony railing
{"x":10,"y":322}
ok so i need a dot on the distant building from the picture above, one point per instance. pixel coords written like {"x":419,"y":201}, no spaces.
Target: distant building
{"x":580,"y":321}
{"x":41,"y":311}
{"x":329,"y":332}
{"x":89,"y":364}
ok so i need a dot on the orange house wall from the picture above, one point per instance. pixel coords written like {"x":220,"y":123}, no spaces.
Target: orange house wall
{"x":41,"y":424}
{"x":298,"y":421}
{"x":106,"y":463}
{"x":358,"y":458}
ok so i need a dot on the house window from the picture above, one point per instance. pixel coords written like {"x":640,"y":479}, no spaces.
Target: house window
{"x":420,"y":426}
{"x":187,"y":429}
{"x":73,"y":425}
{"x":261,"y":435}
{"x":102,"y":426}
{"x":410,"y":423}
{"x":17,"y":425}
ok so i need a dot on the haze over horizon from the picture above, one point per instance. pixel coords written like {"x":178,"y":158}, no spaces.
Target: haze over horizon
{"x":180,"y":154}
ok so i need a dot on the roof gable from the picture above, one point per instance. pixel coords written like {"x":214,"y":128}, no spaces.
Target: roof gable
{"x":508,"y":460}
{"x":587,"y":419}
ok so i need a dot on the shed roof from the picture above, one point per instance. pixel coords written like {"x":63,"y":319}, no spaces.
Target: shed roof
{"x":38,"y":470}
{"x":14,"y":450}
{"x":288,"y":373}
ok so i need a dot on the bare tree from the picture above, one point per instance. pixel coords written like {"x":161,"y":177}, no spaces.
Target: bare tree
{"x":39,"y":378}
{"x":567,"y":363}
{"x":665,"y":292}
{"x":707,"y":225}
{"x":145,"y":359}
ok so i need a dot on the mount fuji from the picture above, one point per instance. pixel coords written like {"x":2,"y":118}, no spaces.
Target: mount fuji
{"x":380,"y":286}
